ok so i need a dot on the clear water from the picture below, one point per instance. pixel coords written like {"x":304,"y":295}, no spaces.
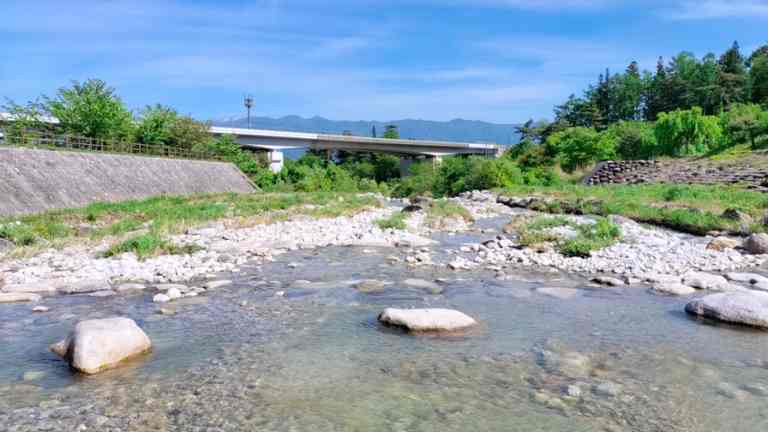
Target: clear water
{"x":317,"y":360}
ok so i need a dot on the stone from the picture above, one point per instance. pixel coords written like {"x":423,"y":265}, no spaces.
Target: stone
{"x":40,"y":309}
{"x":570,"y":364}
{"x":105,"y":293}
{"x":751,"y":278}
{"x":161,"y":298}
{"x":573,"y":391}
{"x":731,"y":392}
{"x":756,"y":244}
{"x":756,"y":389}
{"x":100,"y":344}
{"x":31,"y":287}
{"x":33,"y":375}
{"x":721,"y":244}
{"x":673,"y":288}
{"x":370,"y":286}
{"x":173,"y":293}
{"x":85,"y":286}
{"x":607,"y":389}
{"x":217,"y":284}
{"x":560,"y":293}
{"x":427,"y":320}
{"x":605,"y":280}
{"x":166,"y":287}
{"x":428,"y":286}
{"x":706,"y":281}
{"x":6,"y":245}
{"x":19,"y":297}
{"x":166,"y":311}
{"x":130,"y":287}
{"x":737,"y":215}
{"x":740,"y":307}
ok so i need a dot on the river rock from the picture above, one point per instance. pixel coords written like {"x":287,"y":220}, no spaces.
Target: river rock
{"x":738,"y":216}
{"x":40,"y":309}
{"x":673,"y":288}
{"x":606,"y":280}
{"x":130,"y":287}
{"x":166,"y":287}
{"x":173,"y":293}
{"x":370,"y":286}
{"x":85,"y":286}
{"x":97,"y":345}
{"x":757,"y":244}
{"x":740,"y":307}
{"x":31,"y":287}
{"x":607,"y":389}
{"x":6,"y":245}
{"x":751,"y":278}
{"x":560,"y":293}
{"x":570,"y":364}
{"x":217,"y":284}
{"x":428,"y":286}
{"x":721,"y":244}
{"x":19,"y":297}
{"x":161,"y":298}
{"x":706,"y":281}
{"x":427,"y":320}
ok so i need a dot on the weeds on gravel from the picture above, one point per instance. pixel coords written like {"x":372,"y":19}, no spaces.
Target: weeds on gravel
{"x":149,"y":245}
{"x":396,"y":221}
{"x":589,"y":238}
{"x":441,"y":209}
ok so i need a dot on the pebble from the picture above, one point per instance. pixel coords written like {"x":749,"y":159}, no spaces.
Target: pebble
{"x":40,"y":309}
{"x":161,"y":298}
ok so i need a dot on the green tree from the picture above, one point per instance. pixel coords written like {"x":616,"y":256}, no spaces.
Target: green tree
{"x":758,"y":75}
{"x":732,"y":79}
{"x":186,"y":132}
{"x":154,"y":125}
{"x":25,"y":120}
{"x":745,"y":124}
{"x":391,"y":132}
{"x":634,"y":139}
{"x":91,"y":109}
{"x":687,"y":132}
{"x":578,"y":147}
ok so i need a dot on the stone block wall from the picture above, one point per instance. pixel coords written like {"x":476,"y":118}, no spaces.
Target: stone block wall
{"x":679,"y":171}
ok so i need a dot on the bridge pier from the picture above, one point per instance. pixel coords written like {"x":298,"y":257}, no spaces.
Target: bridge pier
{"x":275,"y":158}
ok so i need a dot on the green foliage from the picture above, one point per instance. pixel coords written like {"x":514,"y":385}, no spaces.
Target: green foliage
{"x":592,"y":237}
{"x":391,"y":132}
{"x":226,"y":148}
{"x":91,"y":109}
{"x":149,"y":245}
{"x":578,"y":147}
{"x":154,"y":125}
{"x":441,"y":209}
{"x":28,"y":120}
{"x":745,"y":124}
{"x":758,"y":75}
{"x":689,"y":132}
{"x":395,"y":222}
{"x":634,"y":139}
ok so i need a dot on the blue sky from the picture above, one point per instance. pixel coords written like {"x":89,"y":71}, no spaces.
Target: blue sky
{"x":494,"y":60}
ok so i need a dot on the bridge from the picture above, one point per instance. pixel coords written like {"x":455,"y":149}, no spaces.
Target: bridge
{"x":275,"y":142}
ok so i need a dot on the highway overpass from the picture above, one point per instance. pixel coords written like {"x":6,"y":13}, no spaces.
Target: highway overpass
{"x":275,"y":142}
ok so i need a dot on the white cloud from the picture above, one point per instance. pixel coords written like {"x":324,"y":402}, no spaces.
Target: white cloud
{"x":716,"y":9}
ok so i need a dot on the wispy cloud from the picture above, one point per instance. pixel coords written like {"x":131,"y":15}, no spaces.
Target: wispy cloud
{"x":717,"y":9}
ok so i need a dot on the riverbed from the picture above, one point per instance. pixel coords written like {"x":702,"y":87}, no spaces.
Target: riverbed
{"x":292,"y":345}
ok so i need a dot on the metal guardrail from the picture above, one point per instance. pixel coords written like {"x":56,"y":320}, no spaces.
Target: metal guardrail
{"x":78,"y":143}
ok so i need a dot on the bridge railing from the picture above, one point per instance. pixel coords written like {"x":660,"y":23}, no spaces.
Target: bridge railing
{"x":51,"y":141}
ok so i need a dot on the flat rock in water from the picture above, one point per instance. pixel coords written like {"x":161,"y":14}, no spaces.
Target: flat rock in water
{"x":560,"y":293}
{"x":427,"y":320}
{"x":131,"y":287}
{"x":710,"y":282}
{"x":370,"y":286}
{"x":605,"y":280}
{"x":85,"y":286}
{"x":432,"y":287}
{"x":166,"y":287}
{"x":217,"y":284}
{"x":31,"y":287}
{"x":97,"y":345}
{"x":740,"y":307}
{"x":18,"y":297}
{"x":673,"y":288}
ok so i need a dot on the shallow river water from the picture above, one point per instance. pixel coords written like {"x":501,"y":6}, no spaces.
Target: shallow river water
{"x":315,"y":359}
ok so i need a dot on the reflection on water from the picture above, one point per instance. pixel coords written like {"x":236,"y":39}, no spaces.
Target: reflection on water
{"x":315,"y":359}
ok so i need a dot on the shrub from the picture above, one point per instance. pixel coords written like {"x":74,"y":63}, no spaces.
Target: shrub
{"x":578,"y":147}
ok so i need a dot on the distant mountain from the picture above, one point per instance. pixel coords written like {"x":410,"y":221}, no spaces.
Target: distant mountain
{"x":454,"y":130}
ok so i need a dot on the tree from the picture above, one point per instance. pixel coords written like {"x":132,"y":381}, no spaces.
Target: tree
{"x":687,"y":132}
{"x":391,"y":132}
{"x":634,"y":139}
{"x":186,"y":132}
{"x":732,"y":79}
{"x":758,"y":75}
{"x":745,"y":124}
{"x":578,"y":147}
{"x":25,"y":119}
{"x":91,"y":109}
{"x":154,"y":125}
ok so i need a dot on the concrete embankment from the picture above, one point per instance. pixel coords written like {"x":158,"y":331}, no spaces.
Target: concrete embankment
{"x":33,"y":180}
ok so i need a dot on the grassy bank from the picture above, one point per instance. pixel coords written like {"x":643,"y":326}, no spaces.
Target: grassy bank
{"x":139,"y":225}
{"x":695,"y":209}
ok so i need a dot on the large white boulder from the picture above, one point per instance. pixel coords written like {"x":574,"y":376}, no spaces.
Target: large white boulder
{"x":97,"y":345}
{"x":427,"y":320}
{"x":741,"y":307}
{"x":17,"y":297}
{"x":757,"y":244}
{"x":710,"y":282}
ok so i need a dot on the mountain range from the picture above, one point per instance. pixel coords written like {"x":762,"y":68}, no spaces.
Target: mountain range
{"x":454,"y":130}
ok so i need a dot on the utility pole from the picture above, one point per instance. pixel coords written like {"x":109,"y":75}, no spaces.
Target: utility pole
{"x":248,"y":105}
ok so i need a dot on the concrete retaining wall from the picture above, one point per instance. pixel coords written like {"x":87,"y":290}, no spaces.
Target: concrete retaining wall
{"x":33,"y":180}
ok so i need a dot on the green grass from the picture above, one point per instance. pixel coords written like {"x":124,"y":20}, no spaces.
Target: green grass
{"x":172,"y":214}
{"x":149,"y":245}
{"x":396,"y":221}
{"x":441,"y":209}
{"x":590,"y":237}
{"x":694,"y":209}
